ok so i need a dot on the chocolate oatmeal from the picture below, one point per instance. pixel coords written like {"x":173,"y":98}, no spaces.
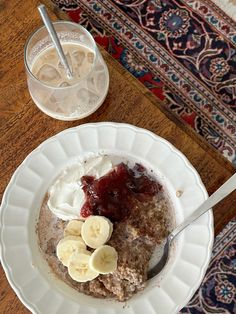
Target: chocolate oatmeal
{"x":141,"y":219}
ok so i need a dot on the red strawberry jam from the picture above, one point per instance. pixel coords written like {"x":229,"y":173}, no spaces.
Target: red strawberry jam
{"x":112,"y":195}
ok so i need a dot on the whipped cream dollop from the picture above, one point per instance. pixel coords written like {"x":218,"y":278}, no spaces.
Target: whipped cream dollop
{"x":66,"y":196}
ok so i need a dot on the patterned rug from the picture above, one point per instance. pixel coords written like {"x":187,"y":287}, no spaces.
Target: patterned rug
{"x":217,"y":293}
{"x":184,"y":51}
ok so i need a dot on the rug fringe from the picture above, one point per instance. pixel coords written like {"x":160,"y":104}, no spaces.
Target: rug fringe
{"x":228,"y":7}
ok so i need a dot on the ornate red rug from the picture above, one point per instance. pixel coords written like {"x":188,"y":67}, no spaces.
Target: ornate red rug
{"x":217,"y":293}
{"x":184,"y":51}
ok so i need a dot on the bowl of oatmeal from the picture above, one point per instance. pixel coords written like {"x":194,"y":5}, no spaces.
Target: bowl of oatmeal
{"x":135,"y":187}
{"x":139,"y":214}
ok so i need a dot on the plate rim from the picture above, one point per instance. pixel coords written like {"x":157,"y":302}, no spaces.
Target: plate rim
{"x":210,"y":225}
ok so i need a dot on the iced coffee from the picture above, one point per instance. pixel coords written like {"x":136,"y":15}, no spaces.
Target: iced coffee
{"x":53,"y":92}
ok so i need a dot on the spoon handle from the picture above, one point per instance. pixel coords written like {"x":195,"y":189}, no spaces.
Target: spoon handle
{"x":228,"y":187}
{"x":52,"y":33}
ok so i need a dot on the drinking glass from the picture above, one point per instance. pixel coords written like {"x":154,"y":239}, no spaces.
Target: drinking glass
{"x":66,"y":102}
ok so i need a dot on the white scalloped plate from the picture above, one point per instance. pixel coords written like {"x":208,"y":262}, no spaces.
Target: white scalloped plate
{"x":28,"y":273}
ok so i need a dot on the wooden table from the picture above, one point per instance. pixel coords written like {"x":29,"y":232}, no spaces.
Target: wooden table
{"x":23,"y":127}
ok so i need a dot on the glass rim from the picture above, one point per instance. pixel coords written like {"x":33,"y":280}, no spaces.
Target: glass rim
{"x":57,"y":87}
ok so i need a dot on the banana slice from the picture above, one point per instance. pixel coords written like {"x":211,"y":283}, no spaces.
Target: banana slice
{"x":104,"y":259}
{"x":96,"y":230}
{"x":79,"y":269}
{"x":67,"y":246}
{"x":73,"y":228}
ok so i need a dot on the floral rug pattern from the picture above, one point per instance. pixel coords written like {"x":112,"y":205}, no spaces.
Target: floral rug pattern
{"x":217,"y":293}
{"x":184,"y":51}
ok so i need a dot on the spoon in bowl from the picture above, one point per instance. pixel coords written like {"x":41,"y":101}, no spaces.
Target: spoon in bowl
{"x":228,"y":187}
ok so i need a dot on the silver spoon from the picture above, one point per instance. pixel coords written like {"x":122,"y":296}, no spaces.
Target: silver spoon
{"x":228,"y":187}
{"x":52,"y":33}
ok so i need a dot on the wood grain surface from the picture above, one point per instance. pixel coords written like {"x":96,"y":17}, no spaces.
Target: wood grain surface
{"x":23,"y":126}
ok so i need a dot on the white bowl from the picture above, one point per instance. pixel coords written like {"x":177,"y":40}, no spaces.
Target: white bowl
{"x":28,"y":273}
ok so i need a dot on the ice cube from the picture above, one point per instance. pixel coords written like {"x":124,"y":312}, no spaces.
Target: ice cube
{"x":91,"y":84}
{"x":99,"y":68}
{"x":85,"y":96}
{"x":93,"y":98}
{"x":78,"y":57}
{"x":100,"y":81}
{"x":59,"y":95}
{"x":48,"y":74}
{"x":53,"y":99}
{"x":50,"y":56}
{"x":58,"y":104}
{"x":90,"y":57}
